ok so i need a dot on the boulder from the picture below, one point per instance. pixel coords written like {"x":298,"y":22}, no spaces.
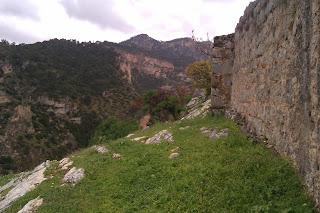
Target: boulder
{"x":101,"y":149}
{"x":214,"y":134}
{"x":116,"y":156}
{"x":174,"y":155}
{"x":73,"y":176}
{"x":177,"y":149}
{"x":65,"y":163}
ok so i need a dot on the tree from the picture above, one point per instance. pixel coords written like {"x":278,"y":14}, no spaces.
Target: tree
{"x":206,"y":48}
{"x":200,"y":73}
{"x":4,"y":42}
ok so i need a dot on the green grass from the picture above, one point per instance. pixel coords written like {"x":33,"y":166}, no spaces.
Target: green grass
{"x":5,"y":179}
{"x":227,"y":175}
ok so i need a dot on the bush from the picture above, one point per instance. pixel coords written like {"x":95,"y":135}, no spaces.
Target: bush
{"x":112,"y":129}
{"x":163,"y":104}
{"x":6,"y":164}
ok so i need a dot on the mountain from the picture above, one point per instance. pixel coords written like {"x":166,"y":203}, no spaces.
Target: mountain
{"x":143,"y":54}
{"x":53,"y":94}
{"x":181,"y":52}
{"x":142,"y":41}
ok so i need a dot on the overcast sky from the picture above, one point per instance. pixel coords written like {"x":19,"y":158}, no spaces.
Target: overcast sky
{"x":29,"y":21}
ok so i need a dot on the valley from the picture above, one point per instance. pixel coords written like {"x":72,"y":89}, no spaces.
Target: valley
{"x":53,"y":94}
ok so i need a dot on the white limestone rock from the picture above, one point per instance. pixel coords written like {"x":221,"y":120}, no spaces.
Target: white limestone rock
{"x":214,"y":134}
{"x":177,"y":149}
{"x":32,"y":206}
{"x":65,"y":163}
{"x":73,"y":176}
{"x":101,"y":149}
{"x":138,"y":139}
{"x":200,"y":110}
{"x":116,"y":156}
{"x":130,"y":135}
{"x":26,"y":184}
{"x":174,"y":155}
{"x":184,"y":128}
{"x":161,"y":136}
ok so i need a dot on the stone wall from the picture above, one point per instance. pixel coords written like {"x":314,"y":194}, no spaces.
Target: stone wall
{"x":223,"y":56}
{"x":276,"y":77}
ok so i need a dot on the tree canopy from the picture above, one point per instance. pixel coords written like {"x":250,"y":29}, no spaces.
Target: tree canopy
{"x":200,"y":74}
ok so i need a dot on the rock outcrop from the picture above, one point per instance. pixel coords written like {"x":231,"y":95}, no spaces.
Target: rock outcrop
{"x":25,"y":183}
{"x":214,"y":134}
{"x":163,"y":135}
{"x":198,"y":106}
{"x":65,"y":163}
{"x":132,"y":65}
{"x":101,"y":149}
{"x":32,"y":206}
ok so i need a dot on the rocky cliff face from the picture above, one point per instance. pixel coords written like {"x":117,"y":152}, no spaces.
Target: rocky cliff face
{"x":276,"y":80}
{"x":184,"y":47}
{"x":180,"y":52}
{"x":144,"y":72}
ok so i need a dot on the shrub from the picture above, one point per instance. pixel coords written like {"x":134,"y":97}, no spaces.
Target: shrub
{"x":112,"y":129}
{"x":162,"y":104}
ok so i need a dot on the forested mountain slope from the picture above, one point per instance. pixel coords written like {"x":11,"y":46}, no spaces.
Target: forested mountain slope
{"x":53,"y":94}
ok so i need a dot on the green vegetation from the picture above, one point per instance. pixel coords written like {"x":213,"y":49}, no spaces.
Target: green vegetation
{"x":162,"y":104}
{"x":200,"y":72}
{"x":83,"y":77}
{"x":233,"y":174}
{"x":5,"y":179}
{"x":112,"y":129}
{"x":61,"y":68}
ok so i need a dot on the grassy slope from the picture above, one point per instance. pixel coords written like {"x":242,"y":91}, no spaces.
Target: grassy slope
{"x":229,"y":175}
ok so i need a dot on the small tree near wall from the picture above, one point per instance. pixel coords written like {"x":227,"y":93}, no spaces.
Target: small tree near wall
{"x":200,"y":73}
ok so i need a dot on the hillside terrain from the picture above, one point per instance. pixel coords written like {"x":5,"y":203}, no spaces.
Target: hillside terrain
{"x":53,"y":94}
{"x":201,"y":165}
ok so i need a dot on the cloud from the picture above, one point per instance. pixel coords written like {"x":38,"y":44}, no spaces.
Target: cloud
{"x":116,"y":20}
{"x":99,"y":12}
{"x":220,"y":1}
{"x":25,"y":9}
{"x":15,"y":35}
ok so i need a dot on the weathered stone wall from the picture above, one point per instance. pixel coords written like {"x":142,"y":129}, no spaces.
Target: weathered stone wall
{"x":276,"y":77}
{"x":223,"y":56}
